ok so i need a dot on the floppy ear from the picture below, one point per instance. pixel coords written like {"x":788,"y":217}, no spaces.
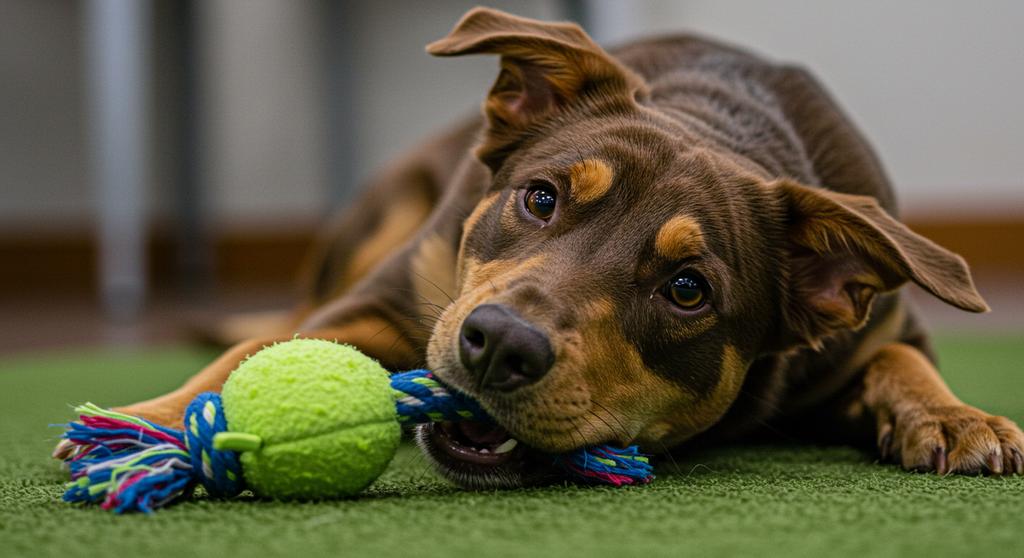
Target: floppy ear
{"x":544,"y":67}
{"x":845,"y":249}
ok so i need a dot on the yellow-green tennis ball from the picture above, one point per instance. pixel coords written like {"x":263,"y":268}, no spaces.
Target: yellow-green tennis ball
{"x":324,"y":415}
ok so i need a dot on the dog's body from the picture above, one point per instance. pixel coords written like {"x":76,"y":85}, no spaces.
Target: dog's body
{"x":678,"y":240}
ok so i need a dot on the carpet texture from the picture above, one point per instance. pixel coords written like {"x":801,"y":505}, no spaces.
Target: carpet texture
{"x":769,"y":501}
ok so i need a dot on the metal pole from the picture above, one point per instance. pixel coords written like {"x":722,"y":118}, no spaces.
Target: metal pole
{"x":195,"y":257}
{"x":339,"y":50}
{"x":117,"y":40}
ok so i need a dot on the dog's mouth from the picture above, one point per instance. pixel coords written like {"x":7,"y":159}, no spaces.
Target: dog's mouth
{"x":477,"y":443}
{"x":479,"y":455}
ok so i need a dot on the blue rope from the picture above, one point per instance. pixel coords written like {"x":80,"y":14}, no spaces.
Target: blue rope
{"x":219,"y":471}
{"x":608,"y":465}
{"x":130,"y":464}
{"x":153,"y":491}
{"x":419,"y":397}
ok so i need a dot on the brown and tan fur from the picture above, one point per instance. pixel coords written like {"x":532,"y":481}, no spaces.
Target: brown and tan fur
{"x":670,"y":154}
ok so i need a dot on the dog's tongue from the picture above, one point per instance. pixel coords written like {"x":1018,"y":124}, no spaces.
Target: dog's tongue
{"x":482,"y":433}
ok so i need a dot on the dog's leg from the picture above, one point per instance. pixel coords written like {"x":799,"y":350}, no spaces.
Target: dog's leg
{"x":169,"y":408}
{"x":392,"y":208}
{"x":923,"y":426}
{"x":373,"y":335}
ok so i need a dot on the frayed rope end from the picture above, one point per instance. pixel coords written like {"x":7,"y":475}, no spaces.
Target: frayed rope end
{"x":124,"y":463}
{"x":127,"y":463}
{"x":608,"y":465}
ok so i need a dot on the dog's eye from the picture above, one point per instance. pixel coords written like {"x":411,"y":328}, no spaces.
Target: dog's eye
{"x":687,"y":290}
{"x":540,"y":201}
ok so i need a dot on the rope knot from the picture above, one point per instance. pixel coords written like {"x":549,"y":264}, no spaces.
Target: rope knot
{"x":219,"y":471}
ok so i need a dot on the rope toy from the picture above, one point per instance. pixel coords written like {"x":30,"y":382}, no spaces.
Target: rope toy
{"x":303,"y":419}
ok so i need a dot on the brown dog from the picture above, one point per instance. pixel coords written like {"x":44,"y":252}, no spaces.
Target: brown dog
{"x":673,"y":239}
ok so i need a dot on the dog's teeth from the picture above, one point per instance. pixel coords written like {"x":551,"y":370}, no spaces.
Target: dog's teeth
{"x":506,"y":447}
{"x":484,"y":450}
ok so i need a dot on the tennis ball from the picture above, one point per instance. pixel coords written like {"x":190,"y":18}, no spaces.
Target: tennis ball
{"x":320,"y":416}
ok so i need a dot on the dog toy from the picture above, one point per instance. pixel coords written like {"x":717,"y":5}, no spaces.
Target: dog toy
{"x":303,"y":419}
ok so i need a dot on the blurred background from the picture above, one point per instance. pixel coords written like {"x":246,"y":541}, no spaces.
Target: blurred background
{"x":164,"y":162}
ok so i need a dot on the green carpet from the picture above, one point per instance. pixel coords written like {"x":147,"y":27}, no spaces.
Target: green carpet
{"x":774,"y":501}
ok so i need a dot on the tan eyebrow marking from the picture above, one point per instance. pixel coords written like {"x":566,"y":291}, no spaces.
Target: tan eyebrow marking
{"x":478,"y":212}
{"x":590,"y":179}
{"x":679,"y":237}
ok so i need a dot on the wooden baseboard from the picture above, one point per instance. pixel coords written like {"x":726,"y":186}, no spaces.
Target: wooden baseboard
{"x":990,"y":246}
{"x":68,"y":261}
{"x":253,"y":257}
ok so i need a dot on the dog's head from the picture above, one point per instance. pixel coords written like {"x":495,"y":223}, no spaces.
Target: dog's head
{"x":620,"y":276}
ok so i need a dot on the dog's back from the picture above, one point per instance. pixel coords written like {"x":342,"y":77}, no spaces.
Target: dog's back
{"x":776,"y":114}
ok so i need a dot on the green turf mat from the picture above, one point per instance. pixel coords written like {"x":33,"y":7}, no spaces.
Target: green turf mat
{"x":768,"y":501}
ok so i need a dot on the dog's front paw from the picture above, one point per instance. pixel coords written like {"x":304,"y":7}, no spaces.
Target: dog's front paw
{"x":951,"y":439}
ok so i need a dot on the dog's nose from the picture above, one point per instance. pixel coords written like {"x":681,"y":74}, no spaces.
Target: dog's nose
{"x":502,"y":349}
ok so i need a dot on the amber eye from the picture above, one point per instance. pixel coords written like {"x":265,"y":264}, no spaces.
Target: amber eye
{"x":687,"y":290}
{"x":540,"y":201}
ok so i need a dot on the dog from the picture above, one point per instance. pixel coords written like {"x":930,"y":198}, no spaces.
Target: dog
{"x":673,"y":241}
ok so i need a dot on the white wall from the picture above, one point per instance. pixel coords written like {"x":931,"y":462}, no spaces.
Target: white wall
{"x":935,"y":85}
{"x":402,"y":93}
{"x":265,"y":107}
{"x":42,"y":149}
{"x":264,"y":110}
{"x":261,"y":110}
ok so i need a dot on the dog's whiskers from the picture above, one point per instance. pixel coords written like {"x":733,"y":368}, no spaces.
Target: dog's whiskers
{"x":664,"y":449}
{"x":425,"y":321}
{"x":600,"y":418}
{"x":433,"y":284}
{"x":424,"y":300}
{"x":624,"y":431}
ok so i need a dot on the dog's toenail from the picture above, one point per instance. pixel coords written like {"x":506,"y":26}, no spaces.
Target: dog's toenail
{"x":885,"y":446}
{"x":995,"y":463}
{"x":939,"y":459}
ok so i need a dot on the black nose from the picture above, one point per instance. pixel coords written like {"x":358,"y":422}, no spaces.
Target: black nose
{"x":502,"y":349}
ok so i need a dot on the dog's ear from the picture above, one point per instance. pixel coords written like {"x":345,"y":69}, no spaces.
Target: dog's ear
{"x":845,"y":249}
{"x":544,"y":68}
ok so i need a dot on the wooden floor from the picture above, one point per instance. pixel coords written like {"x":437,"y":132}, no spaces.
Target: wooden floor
{"x":36,"y":322}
